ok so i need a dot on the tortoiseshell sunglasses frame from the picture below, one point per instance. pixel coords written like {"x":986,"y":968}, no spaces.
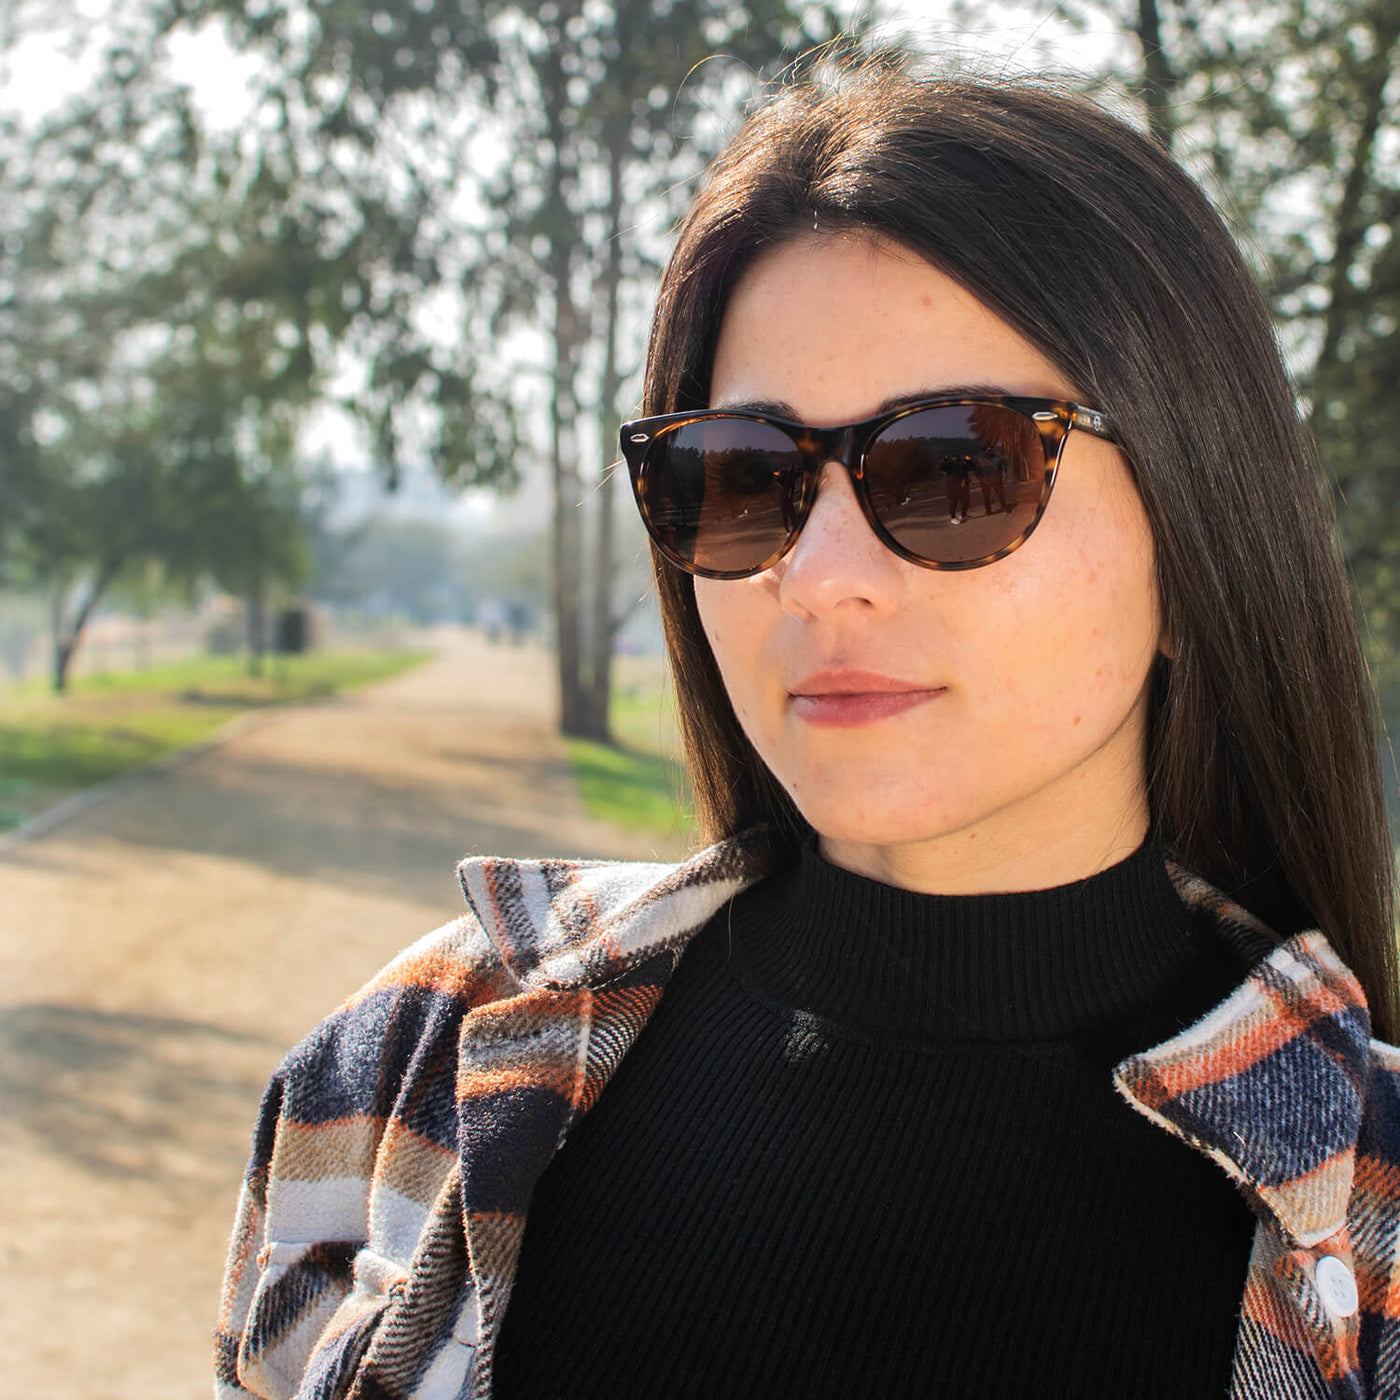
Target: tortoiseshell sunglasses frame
{"x":848,"y":444}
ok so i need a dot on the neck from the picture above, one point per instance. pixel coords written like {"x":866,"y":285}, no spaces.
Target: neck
{"x":1091,"y":818}
{"x":1073,"y":960}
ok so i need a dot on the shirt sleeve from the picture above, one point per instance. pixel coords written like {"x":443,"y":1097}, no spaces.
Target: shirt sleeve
{"x":308,"y":1275}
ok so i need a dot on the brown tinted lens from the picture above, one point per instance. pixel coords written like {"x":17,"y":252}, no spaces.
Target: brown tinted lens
{"x":720,"y":492}
{"x":956,"y":484}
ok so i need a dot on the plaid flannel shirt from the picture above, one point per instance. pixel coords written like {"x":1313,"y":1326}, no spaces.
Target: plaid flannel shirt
{"x":384,"y":1205}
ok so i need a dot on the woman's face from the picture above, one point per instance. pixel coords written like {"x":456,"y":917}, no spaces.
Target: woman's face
{"x":953,"y":731}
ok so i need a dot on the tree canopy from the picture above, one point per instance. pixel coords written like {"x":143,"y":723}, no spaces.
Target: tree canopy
{"x":445,"y":217}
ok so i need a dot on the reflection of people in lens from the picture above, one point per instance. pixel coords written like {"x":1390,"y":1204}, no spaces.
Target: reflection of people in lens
{"x":991,"y":479}
{"x":1010,"y":1033}
{"x":957,"y":481}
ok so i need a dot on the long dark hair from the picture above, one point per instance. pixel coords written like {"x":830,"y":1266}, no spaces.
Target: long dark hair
{"x":1094,"y":245}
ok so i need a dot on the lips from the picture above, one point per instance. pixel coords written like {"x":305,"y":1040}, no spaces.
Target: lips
{"x":849,"y":698}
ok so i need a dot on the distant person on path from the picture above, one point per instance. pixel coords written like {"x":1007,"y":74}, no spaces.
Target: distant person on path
{"x":1013,"y":1035}
{"x":491,"y":618}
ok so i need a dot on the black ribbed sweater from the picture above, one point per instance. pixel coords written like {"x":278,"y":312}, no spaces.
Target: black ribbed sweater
{"x":869,"y":1146}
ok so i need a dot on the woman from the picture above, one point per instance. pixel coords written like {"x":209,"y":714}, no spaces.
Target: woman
{"x":1015,"y":1036}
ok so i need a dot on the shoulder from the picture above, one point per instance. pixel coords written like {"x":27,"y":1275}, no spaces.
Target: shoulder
{"x":530,"y":924}
{"x":361,"y":1051}
{"x":362,"y":1109}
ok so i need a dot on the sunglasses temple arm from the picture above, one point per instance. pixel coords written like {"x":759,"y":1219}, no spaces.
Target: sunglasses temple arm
{"x":1094,"y":422}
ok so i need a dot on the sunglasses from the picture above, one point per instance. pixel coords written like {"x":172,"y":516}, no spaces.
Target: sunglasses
{"x":946,"y":483}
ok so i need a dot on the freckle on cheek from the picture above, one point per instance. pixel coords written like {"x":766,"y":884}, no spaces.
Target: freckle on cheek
{"x":1077,"y":718}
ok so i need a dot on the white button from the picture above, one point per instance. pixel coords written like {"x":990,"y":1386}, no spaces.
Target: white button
{"x":1337,"y":1285}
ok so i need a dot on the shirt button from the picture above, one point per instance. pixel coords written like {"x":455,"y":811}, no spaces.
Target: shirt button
{"x":1337,"y":1285}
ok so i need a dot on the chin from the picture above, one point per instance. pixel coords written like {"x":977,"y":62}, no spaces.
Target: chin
{"x":862,"y":822}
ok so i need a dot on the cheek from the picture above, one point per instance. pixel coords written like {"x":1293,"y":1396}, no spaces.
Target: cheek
{"x":1077,"y":631}
{"x":732,"y":612}
{"x":1117,"y":605}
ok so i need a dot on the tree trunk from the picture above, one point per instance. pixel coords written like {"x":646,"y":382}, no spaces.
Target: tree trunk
{"x":1158,"y":80}
{"x":62,"y":657}
{"x":1348,"y":228}
{"x":567,"y":562}
{"x":66,"y":637}
{"x":61,"y":654}
{"x":604,"y":629}
{"x":566,"y":533}
{"x":255,"y":620}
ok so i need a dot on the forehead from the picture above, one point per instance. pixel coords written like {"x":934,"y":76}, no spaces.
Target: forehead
{"x":834,"y":325}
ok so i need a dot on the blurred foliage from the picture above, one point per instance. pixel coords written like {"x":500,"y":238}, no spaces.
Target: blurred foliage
{"x":391,"y":565}
{"x":390,"y":568}
{"x":21,"y":623}
{"x":487,"y":168}
{"x":446,"y":217}
{"x":145,"y":414}
{"x":413,"y":184}
{"x":358,"y":142}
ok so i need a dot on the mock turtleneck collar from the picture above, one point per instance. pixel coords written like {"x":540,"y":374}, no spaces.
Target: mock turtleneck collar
{"x":1061,"y":963}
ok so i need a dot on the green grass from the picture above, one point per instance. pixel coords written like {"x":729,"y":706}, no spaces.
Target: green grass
{"x":52,"y":745}
{"x":638,"y":784}
{"x":74,"y":753}
{"x":627,"y":787}
{"x":225,"y":679}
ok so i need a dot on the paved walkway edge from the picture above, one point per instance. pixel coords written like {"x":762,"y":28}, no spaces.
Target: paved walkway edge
{"x":89,"y":797}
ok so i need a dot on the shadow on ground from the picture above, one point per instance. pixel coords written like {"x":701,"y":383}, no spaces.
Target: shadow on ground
{"x":136,"y":1097}
{"x":372,"y":835}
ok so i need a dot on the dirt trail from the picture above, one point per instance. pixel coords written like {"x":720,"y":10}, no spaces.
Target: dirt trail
{"x":160,"y":952}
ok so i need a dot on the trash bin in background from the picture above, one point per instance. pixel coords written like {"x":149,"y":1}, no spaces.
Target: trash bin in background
{"x":291,"y":635}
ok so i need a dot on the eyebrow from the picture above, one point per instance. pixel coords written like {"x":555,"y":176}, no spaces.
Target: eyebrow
{"x":779,"y":408}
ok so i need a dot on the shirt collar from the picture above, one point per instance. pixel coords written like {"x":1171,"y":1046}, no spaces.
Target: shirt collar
{"x":561,"y":924}
{"x":1270,"y":1083}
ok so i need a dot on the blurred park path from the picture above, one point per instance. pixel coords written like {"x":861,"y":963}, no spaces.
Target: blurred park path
{"x":160,"y":952}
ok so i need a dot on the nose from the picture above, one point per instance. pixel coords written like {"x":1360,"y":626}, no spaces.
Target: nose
{"x":838,"y":559}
